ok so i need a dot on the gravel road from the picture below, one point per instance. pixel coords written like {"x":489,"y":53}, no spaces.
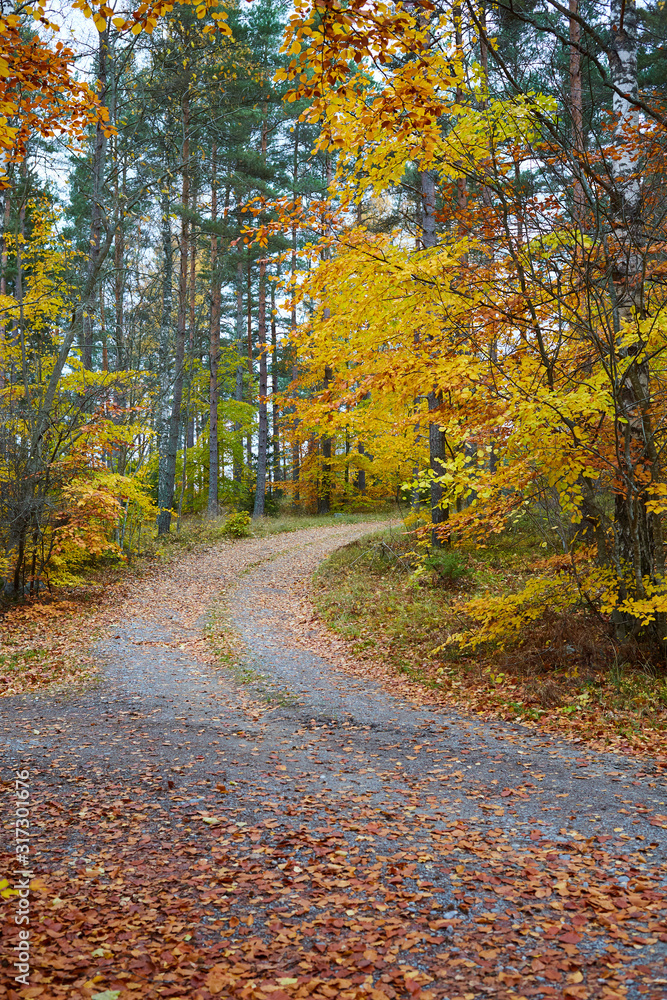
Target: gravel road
{"x":545,"y":828}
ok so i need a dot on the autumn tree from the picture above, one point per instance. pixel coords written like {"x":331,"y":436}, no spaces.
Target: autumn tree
{"x":541,"y":326}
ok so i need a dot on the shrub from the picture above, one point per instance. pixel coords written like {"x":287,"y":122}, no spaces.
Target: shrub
{"x":449,"y":564}
{"x":237,"y":525}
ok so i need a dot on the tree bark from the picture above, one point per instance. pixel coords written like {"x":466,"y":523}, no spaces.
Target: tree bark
{"x":167,"y":502}
{"x":251,"y":370}
{"x":118,"y":265}
{"x":360,"y":478}
{"x":262,"y":437}
{"x":164,"y":352}
{"x":325,"y":491}
{"x":436,"y":438}
{"x":97,"y":211}
{"x":6,"y":213}
{"x":192,"y":319}
{"x":576,"y":111}
{"x":295,"y":367}
{"x":324,"y":494}
{"x":103,"y":329}
{"x":263,"y":415}
{"x":214,"y":352}
{"x":638,"y":542}
{"x":238,"y":388}
{"x":275,"y":409}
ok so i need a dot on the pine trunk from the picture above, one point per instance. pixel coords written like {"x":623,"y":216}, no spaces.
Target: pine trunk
{"x":167,"y":503}
{"x":251,"y":370}
{"x":275,"y":410}
{"x":262,"y":442}
{"x":165,"y":339}
{"x":238,"y":387}
{"x":576,"y":111}
{"x":214,"y":353}
{"x":192,"y":317}
{"x":99,"y":158}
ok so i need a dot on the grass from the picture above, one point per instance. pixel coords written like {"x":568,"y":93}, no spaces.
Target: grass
{"x":32,"y":660}
{"x":24,"y":663}
{"x":564,"y":672}
{"x":231,"y":653}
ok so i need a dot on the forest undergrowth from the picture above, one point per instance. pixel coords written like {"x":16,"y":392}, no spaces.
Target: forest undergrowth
{"x":562,"y":672}
{"x":46,"y":641}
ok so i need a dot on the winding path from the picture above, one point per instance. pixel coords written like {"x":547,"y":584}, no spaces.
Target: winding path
{"x":540,"y":865}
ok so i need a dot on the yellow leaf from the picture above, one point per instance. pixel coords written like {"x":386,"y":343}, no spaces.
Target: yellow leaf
{"x":6,"y":890}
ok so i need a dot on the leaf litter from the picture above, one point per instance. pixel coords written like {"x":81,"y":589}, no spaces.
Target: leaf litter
{"x":180,"y":853}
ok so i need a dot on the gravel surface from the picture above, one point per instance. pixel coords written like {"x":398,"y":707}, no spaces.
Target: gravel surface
{"x":295,"y":723}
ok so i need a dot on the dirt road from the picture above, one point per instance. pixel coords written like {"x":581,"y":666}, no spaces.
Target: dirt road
{"x":279,"y":827}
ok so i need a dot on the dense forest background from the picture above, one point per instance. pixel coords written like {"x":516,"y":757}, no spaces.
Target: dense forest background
{"x":331,"y":256}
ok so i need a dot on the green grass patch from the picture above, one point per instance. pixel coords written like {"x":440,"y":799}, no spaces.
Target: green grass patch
{"x":397,"y":608}
{"x":24,"y":663}
{"x":36,"y":668}
{"x":231,"y":653}
{"x":366,"y":591}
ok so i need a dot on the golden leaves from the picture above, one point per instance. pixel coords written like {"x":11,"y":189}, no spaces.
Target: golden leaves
{"x":37,"y":92}
{"x":147,"y":15}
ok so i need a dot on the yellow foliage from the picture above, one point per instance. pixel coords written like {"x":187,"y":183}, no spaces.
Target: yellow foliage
{"x":499,"y":619}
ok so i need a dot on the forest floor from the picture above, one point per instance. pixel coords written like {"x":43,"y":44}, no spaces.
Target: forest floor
{"x":238,"y":808}
{"x":562,"y":673}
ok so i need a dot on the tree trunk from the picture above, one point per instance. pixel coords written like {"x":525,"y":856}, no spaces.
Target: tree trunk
{"x":263,"y":429}
{"x":167,"y":503}
{"x":103,"y":329}
{"x":638,"y":541}
{"x":262,"y":442}
{"x":184,"y":479}
{"x":164,"y":350}
{"x":99,"y":156}
{"x":324,"y":494}
{"x":576,"y":111}
{"x":238,"y":388}
{"x":461,"y":184}
{"x":6,"y":212}
{"x":214,"y":352}
{"x":118,"y":276}
{"x":275,"y":411}
{"x":436,"y":438}
{"x":360,"y":478}
{"x":192,"y":298}
{"x":251,"y":370}
{"x":192,"y":284}
{"x":295,"y":367}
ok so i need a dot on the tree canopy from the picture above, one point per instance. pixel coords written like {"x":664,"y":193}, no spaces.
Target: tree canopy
{"x":334,"y":254}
